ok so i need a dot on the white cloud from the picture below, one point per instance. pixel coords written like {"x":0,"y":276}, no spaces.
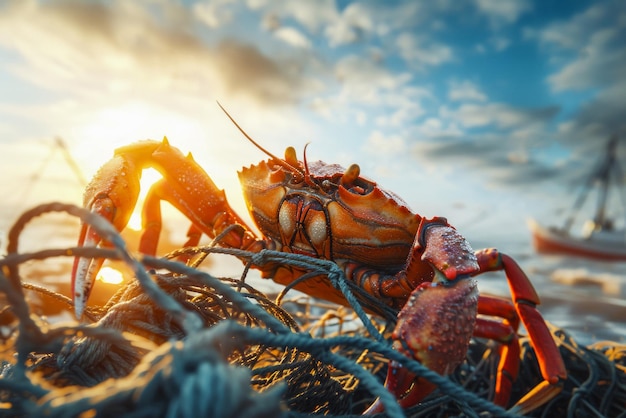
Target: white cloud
{"x":419,"y":52}
{"x":589,"y":47}
{"x":572,"y":33}
{"x":365,"y":20}
{"x":499,"y":43}
{"x":406,"y":110}
{"x":293,"y":37}
{"x":588,"y":54}
{"x":341,"y":33}
{"x":598,"y":63}
{"x":351,"y":26}
{"x":124,"y":48}
{"x":434,"y":127}
{"x":378,"y":143}
{"x":503,"y":11}
{"x":499,"y":115}
{"x":465,"y":91}
{"x":312,"y":14}
{"x":214,"y":13}
{"x":364,"y":80}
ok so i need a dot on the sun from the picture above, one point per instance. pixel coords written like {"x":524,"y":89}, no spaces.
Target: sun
{"x":110,"y":275}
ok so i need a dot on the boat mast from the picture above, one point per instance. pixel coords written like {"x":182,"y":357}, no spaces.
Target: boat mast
{"x":601,"y":174}
{"x":604,"y":176}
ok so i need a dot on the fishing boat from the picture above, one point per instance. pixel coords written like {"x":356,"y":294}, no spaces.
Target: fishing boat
{"x":601,"y":237}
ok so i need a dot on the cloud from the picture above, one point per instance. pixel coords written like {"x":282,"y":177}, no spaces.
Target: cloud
{"x":293,"y":37}
{"x":601,"y":62}
{"x":364,"y":80}
{"x":598,"y":119}
{"x":572,"y":33}
{"x":590,"y":56}
{"x":213,"y":13}
{"x":589,"y":47}
{"x":375,"y":20}
{"x":498,"y":115}
{"x":313,"y":15}
{"x":378,"y":142}
{"x":499,"y":43}
{"x":502,"y":11}
{"x":419,"y":52}
{"x":351,"y":26}
{"x":69,"y":45}
{"x":489,"y":140}
{"x":465,"y":91}
{"x":487,"y":156}
{"x":369,"y":91}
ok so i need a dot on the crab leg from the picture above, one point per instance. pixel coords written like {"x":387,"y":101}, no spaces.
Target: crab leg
{"x":114,"y":191}
{"x":525,"y":300}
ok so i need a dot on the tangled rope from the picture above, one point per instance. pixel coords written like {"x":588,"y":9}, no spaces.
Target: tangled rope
{"x":180,"y":342}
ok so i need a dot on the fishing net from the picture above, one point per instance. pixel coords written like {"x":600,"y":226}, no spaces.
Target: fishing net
{"x":179,"y":342}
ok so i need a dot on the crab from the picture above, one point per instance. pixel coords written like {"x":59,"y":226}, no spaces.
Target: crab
{"x":422,"y":268}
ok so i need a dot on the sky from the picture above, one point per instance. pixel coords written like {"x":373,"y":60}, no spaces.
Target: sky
{"x":486,"y":112}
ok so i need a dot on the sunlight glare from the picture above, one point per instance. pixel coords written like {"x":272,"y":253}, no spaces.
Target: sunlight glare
{"x":109,"y":128}
{"x":110,"y":275}
{"x":148,"y":178}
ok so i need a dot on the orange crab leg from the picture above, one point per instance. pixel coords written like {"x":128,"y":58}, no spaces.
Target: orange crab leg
{"x":525,"y":301}
{"x":508,"y":350}
{"x":114,"y":191}
{"x":152,"y":223}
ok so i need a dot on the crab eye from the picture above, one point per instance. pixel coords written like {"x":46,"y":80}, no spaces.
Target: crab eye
{"x":290,"y":157}
{"x":351,"y":181}
{"x":350,"y":176}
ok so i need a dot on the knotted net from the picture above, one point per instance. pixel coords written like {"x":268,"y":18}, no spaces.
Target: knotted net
{"x":179,"y":342}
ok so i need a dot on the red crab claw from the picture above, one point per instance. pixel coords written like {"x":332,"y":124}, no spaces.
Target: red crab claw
{"x":434,"y":328}
{"x":112,"y":194}
{"x":439,"y":318}
{"x":437,"y":322}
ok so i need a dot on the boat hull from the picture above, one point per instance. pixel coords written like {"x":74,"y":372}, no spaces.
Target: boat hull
{"x":552,"y":241}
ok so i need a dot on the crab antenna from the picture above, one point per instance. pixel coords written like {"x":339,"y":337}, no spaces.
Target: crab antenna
{"x":307,"y":175}
{"x":280,"y":160}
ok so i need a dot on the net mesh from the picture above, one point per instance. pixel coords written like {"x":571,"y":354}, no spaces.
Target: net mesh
{"x":178,"y":341}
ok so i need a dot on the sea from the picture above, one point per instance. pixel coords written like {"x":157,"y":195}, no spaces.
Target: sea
{"x":586,"y":298}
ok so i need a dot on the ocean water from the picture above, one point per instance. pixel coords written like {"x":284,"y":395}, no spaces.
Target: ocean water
{"x":586,"y":298}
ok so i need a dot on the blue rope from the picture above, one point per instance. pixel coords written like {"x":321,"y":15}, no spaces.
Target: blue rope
{"x":224,"y":338}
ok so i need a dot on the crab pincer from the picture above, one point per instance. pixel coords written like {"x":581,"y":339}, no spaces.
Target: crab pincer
{"x":112,"y":194}
{"x":434,"y":328}
{"x":437,"y":321}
